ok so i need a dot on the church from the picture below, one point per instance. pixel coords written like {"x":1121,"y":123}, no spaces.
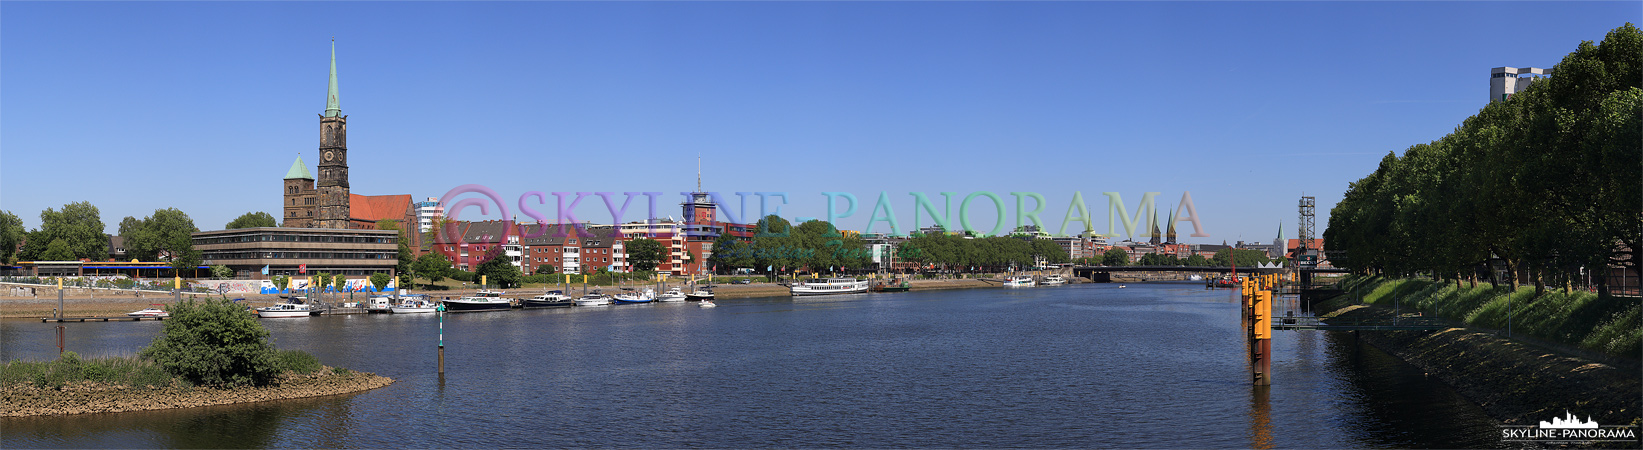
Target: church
{"x":325,"y":201}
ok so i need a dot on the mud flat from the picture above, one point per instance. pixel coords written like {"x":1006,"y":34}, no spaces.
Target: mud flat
{"x":88,"y":397}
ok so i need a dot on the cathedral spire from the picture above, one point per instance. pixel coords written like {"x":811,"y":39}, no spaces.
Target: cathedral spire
{"x":333,"y":108}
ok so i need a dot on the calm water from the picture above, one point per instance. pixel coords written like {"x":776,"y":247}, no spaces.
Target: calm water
{"x":1156,"y":365}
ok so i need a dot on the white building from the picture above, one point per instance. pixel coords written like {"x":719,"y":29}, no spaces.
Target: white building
{"x":1505,"y":81}
{"x":427,"y":212}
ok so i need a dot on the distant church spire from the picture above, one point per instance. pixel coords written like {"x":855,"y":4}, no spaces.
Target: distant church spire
{"x":1156,"y":236}
{"x":333,"y":108}
{"x":1170,"y":237}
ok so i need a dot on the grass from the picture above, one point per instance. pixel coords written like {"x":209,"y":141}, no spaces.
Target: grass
{"x":1609,"y":325}
{"x":130,"y":371}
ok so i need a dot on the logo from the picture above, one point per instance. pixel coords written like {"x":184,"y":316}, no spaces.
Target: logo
{"x":1568,"y":429}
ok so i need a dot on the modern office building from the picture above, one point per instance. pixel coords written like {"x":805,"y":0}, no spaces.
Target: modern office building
{"x":1507,"y":81}
{"x":290,"y":251}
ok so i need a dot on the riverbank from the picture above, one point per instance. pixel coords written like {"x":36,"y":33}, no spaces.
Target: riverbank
{"x":1514,"y":382}
{"x":90,"y":397}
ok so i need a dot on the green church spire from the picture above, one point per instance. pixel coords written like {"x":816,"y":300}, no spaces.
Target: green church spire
{"x":333,"y":108}
{"x":299,"y":170}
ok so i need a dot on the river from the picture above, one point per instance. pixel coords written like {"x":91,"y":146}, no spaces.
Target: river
{"x":1154,"y":365}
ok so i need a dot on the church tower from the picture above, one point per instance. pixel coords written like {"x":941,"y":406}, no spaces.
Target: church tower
{"x":299,"y":196}
{"x":333,"y":163}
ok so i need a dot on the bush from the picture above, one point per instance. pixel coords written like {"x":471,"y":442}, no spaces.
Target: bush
{"x":70,"y":368}
{"x":298,"y":361}
{"x":462,"y":275}
{"x":213,"y":342}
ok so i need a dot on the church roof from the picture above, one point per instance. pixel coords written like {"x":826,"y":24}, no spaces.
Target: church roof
{"x":299,"y":170}
{"x":372,"y":208}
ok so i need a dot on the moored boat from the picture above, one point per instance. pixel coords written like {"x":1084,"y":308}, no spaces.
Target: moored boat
{"x":629,"y":295}
{"x":896,"y":285}
{"x":700,"y":294}
{"x":550,"y":299}
{"x":673,"y":294}
{"x":414,"y":306}
{"x":1054,"y":280}
{"x":285,"y":310}
{"x":150,"y":312}
{"x":829,"y":287}
{"x":482,"y":301}
{"x":593,"y":298}
{"x":1019,"y":281}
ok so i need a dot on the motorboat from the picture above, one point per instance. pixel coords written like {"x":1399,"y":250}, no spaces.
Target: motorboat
{"x":1019,"y":281}
{"x":1195,"y":277}
{"x":550,"y":299}
{"x":593,"y":298}
{"x":1054,"y":280}
{"x":286,"y":309}
{"x":629,"y":295}
{"x":150,"y":312}
{"x":378,"y":304}
{"x":414,"y":306}
{"x":482,"y":301}
{"x":708,"y":304}
{"x":829,"y":287}
{"x":672,"y":295}
{"x":892,"y":286}
{"x":700,"y":294}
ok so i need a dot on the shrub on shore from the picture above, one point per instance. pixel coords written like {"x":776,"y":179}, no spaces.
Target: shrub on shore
{"x":213,"y":342}
{"x":1609,"y":325}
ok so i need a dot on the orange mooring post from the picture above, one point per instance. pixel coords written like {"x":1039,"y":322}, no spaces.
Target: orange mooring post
{"x":1261,"y":338}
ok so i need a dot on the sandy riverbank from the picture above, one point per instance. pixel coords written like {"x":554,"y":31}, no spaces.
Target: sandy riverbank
{"x":1514,"y":382}
{"x":19,"y":401}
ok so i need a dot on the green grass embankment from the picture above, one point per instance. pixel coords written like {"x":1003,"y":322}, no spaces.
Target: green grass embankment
{"x":1611,"y":326}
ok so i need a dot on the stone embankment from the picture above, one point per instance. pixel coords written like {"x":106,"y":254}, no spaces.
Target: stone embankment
{"x":1514,"y":382}
{"x":86,"y":398}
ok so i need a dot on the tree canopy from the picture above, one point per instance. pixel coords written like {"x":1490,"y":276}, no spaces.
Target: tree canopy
{"x":252,"y":220}
{"x":643,"y":253}
{"x":11,"y":234}
{"x":500,"y":271}
{"x":165,"y":235}
{"x":79,"y":227}
{"x":1547,"y":181}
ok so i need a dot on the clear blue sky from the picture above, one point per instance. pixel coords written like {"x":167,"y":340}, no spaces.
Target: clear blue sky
{"x":203,"y":106}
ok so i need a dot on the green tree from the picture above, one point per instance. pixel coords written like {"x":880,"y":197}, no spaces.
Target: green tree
{"x":380,"y":280}
{"x":433,"y":266}
{"x":1196,"y":260}
{"x":58,"y":250}
{"x":11,"y":235}
{"x":252,"y":220}
{"x":1116,"y":256}
{"x":644,"y":253}
{"x":221,"y":272}
{"x":406,"y":257}
{"x":213,"y":342}
{"x":79,"y":225}
{"x":500,"y":271}
{"x":165,"y":235}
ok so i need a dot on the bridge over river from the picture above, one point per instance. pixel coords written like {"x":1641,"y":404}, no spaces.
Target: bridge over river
{"x":1103,"y":274}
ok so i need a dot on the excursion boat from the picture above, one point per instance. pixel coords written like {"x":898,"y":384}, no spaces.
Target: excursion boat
{"x":1019,"y":281}
{"x":700,"y":294}
{"x":285,"y":310}
{"x":150,"y":312}
{"x":629,"y":295}
{"x":414,"y":306}
{"x":672,"y":295}
{"x":550,"y":299}
{"x":593,"y":298}
{"x":1054,"y":280}
{"x":829,"y":287}
{"x":482,"y":301}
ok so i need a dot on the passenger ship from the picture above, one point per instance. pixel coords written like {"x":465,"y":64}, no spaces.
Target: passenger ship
{"x":831,"y":286}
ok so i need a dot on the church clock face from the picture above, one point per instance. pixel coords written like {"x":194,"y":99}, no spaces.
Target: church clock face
{"x":329,"y":155}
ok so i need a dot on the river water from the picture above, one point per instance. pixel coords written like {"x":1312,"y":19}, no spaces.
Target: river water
{"x":1094,"y":365}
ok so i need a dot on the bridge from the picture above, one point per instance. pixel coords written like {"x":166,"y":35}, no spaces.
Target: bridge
{"x":1104,"y":273}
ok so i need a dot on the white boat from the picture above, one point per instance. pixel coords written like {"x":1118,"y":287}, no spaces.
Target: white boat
{"x":550,"y":299}
{"x":283,"y":310}
{"x":632,"y":296}
{"x":708,"y":304}
{"x":149,"y":312}
{"x":672,"y":295}
{"x":1054,"y":280}
{"x":1195,"y":277}
{"x":414,"y":306}
{"x":379,"y":304}
{"x":1019,"y":281}
{"x":593,"y":298}
{"x":830,"y":286}
{"x":482,"y":301}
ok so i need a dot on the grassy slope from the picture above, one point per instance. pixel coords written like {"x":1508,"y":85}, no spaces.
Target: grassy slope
{"x":1608,"y":325}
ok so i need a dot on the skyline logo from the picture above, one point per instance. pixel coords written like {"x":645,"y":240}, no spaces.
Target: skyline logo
{"x":1568,"y":429}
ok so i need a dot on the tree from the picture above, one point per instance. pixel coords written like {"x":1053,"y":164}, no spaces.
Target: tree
{"x":380,"y":280}
{"x":1116,"y":256}
{"x":433,"y":266}
{"x":221,"y":272}
{"x":58,"y":250}
{"x":79,"y":225}
{"x":644,"y":254}
{"x":11,"y":234}
{"x":252,"y":220}
{"x":405,"y":255}
{"x":500,"y":271}
{"x":165,"y":235}
{"x":214,"y":343}
{"x":1196,"y":260}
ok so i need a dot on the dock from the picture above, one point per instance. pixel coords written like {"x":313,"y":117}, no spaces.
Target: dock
{"x":99,"y":319}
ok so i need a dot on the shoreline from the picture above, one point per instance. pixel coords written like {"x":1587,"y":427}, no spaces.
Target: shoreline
{"x":92,"y":398}
{"x":1514,"y":382}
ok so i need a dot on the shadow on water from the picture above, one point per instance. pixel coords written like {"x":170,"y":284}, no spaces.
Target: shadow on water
{"x":254,"y":425}
{"x":1400,"y":406}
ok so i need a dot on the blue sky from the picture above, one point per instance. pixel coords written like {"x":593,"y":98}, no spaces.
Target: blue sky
{"x":203,"y":106}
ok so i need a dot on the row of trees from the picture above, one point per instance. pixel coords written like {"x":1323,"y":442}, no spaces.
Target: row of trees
{"x":814,"y":246}
{"x":988,"y":254}
{"x":76,"y":232}
{"x":1225,"y":257}
{"x":1547,"y":182}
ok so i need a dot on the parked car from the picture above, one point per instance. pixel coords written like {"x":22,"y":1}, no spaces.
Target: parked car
{"x":742,"y":281}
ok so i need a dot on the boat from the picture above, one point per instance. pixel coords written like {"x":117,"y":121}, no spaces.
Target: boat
{"x":672,"y":295}
{"x":629,"y":295}
{"x":1222,"y":282}
{"x":897,"y":285}
{"x":1195,"y":277}
{"x":550,"y":299}
{"x":700,"y":294}
{"x":829,"y":287}
{"x":1054,"y":280}
{"x":378,"y":304}
{"x":150,"y":312}
{"x":1019,"y":281}
{"x":593,"y":298}
{"x":414,"y":306}
{"x":285,"y":310}
{"x":708,"y":304}
{"x":482,"y":301}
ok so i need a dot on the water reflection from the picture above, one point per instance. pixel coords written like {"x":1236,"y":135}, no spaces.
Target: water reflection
{"x":255,"y":425}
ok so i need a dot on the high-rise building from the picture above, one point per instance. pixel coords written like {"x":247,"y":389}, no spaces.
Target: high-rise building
{"x":333,"y":163}
{"x":427,"y":212}
{"x":1506,"y":81}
